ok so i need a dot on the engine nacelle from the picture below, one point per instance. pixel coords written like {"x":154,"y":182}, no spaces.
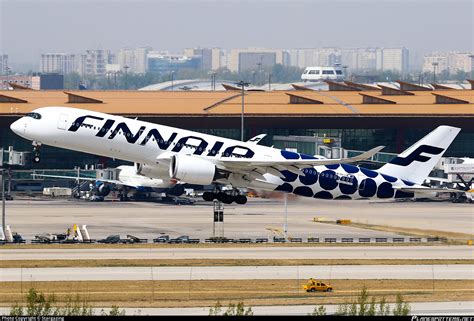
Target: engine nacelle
{"x":103,"y":189}
{"x":192,"y":169}
{"x":149,"y":171}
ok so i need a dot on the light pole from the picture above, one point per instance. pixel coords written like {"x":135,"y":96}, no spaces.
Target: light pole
{"x":8,"y":76}
{"x":213,"y":80}
{"x":126,"y":78}
{"x":472,"y":66}
{"x":242,"y":84}
{"x":269,"y":81}
{"x":172,"y":79}
{"x":434,"y":71}
{"x":259,"y":71}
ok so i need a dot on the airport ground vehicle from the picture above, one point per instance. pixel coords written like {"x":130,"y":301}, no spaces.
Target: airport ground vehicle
{"x":317,"y":286}
{"x":313,"y":74}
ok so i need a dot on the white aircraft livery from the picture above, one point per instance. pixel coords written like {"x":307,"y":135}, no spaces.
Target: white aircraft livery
{"x":185,"y":156}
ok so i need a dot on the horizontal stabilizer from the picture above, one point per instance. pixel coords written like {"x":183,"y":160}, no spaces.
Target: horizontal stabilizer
{"x":427,"y":190}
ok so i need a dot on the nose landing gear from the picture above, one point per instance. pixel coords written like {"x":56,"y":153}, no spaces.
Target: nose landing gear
{"x":36,"y":150}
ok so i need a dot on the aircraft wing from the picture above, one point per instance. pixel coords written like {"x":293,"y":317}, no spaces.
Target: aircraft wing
{"x":110,"y":181}
{"x":260,"y":167}
{"x":428,"y":190}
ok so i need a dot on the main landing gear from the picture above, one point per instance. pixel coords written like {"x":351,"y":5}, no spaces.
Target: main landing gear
{"x":36,"y":150}
{"x":226,"y":197}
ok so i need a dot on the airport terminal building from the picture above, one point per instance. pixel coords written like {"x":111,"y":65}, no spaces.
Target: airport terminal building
{"x":361,"y":116}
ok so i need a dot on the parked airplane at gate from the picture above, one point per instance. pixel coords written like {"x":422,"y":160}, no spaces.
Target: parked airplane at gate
{"x":170,"y":153}
{"x":127,"y":180}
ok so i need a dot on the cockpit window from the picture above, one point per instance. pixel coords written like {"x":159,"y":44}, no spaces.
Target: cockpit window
{"x":34,"y":115}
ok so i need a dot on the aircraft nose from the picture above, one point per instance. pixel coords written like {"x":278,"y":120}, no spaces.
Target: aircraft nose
{"x":17,"y":126}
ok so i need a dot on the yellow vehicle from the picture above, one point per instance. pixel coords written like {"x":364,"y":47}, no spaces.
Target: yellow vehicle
{"x":313,"y":286}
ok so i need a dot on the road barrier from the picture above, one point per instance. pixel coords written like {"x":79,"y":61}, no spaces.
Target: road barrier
{"x":165,"y":239}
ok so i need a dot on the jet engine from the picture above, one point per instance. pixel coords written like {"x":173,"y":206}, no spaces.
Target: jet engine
{"x":192,"y":169}
{"x":102,"y":189}
{"x":149,"y":171}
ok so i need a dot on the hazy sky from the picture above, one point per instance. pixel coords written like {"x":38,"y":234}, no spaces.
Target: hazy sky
{"x":31,"y":27}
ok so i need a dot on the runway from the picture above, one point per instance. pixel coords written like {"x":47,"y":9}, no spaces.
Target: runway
{"x":148,"y":220}
{"x":364,"y":272}
{"x":316,"y":252}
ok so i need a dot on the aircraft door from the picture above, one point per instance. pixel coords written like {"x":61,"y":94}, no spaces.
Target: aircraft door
{"x":62,"y":122}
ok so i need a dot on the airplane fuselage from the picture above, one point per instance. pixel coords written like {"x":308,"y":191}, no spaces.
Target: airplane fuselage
{"x":151,"y":144}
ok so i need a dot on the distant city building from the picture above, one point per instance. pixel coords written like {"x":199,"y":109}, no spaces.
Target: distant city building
{"x":93,"y":62}
{"x":3,"y":63}
{"x":51,"y":81}
{"x":37,"y":82}
{"x":23,"y":81}
{"x":211,"y":58}
{"x":255,"y":58}
{"x":162,"y":62}
{"x":112,"y":68}
{"x":58,"y":62}
{"x":305,"y":57}
{"x":393,"y":59}
{"x":135,"y":59}
{"x":204,"y":54}
{"x":363,"y":58}
{"x":451,"y":62}
{"x":359,"y":58}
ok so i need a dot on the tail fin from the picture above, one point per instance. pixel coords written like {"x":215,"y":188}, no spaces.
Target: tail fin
{"x":415,"y":163}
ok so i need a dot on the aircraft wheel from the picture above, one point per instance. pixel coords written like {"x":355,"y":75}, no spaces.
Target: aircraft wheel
{"x":241,"y":199}
{"x":227,"y":199}
{"x":208,"y":196}
{"x":220,"y":196}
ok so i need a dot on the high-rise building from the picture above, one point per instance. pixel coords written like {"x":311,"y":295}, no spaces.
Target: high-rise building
{"x":58,"y":63}
{"x":314,"y":57}
{"x":394,"y":59}
{"x":211,"y":58}
{"x":254,"y":58}
{"x":93,"y":62}
{"x":441,"y":61}
{"x":135,"y":59}
{"x":204,"y":54}
{"x":164,"y":62}
{"x":3,"y":63}
{"x":450,"y":61}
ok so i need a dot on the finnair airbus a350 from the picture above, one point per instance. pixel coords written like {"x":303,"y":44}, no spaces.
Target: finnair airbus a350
{"x":181,"y":155}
